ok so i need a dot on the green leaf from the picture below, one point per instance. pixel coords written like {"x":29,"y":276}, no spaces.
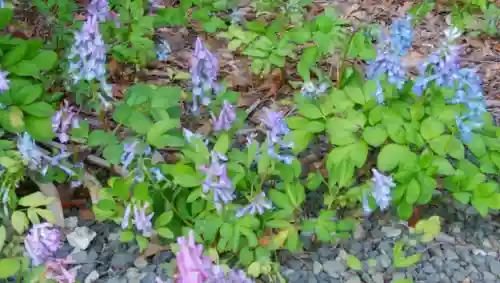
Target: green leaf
{"x":126,"y":236}
{"x":448,"y":144}
{"x":392,"y":155}
{"x":405,"y":210}
{"x":301,"y":140}
{"x":19,"y":221}
{"x":354,"y":263}
{"x":187,"y":180}
{"x":10,"y":267}
{"x":46,"y":214}
{"x":375,"y":136}
{"x":278,"y":223}
{"x":156,"y":134}
{"x":355,"y":94}
{"x":431,"y":128}
{"x":39,"y":128}
{"x":12,"y":119}
{"x":165,"y":233}
{"x":3,"y":235}
{"x":45,"y":60}
{"x":222,"y":144}
{"x":113,"y":153}
{"x":35,"y":199}
{"x":310,"y":111}
{"x":5,"y":16}
{"x":141,"y":191}
{"x":477,"y":145}
{"x":164,"y":218}
{"x":280,"y":199}
{"x":403,"y":280}
{"x":307,"y":61}
{"x":412,"y":191}
{"x":142,"y":242}
{"x":101,"y":138}
{"x":246,"y":256}
{"x":27,"y":94}
{"x":39,"y":109}
{"x":25,"y":68}
{"x":462,"y":197}
{"x":397,"y":133}
{"x":443,"y":166}
{"x":14,"y":55}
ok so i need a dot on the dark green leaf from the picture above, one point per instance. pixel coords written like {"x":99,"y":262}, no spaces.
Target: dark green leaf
{"x":39,"y":109}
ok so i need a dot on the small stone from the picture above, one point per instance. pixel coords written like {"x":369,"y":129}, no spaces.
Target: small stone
{"x":140,"y":262}
{"x":117,"y":280}
{"x":445,"y":238}
{"x":451,"y":255}
{"x":487,"y":244}
{"x":334,"y":268}
{"x":295,"y":264}
{"x":453,"y":265}
{"x":459,"y":276}
{"x":312,"y":279}
{"x":489,"y":276}
{"x":343,"y":254}
{"x":71,"y":222}
{"x":81,"y":237}
{"x":494,"y":267}
{"x":378,"y":278}
{"x":149,"y":278}
{"x":354,"y":279}
{"x":92,"y":277}
{"x":398,"y":276}
{"x":429,"y":269}
{"x":391,"y":232}
{"x":359,"y":233}
{"x":133,"y":275}
{"x":114,"y":236}
{"x":79,"y":257}
{"x":385,"y":260}
{"x":317,"y":267}
{"x":479,"y":252}
{"x":122,"y":260}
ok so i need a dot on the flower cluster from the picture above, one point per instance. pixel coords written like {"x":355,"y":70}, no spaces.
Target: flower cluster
{"x":443,"y":69}
{"x":87,"y":57}
{"x":37,"y":160}
{"x":217,"y":181}
{"x":4,"y":82}
{"x":163,"y":50}
{"x":204,"y":70}
{"x":42,"y":241}
{"x":194,"y":267}
{"x":259,"y":204}
{"x":311,"y":91}
{"x":99,"y":9}
{"x":389,"y":52}
{"x":56,"y":270}
{"x":381,"y":191}
{"x":277,"y":129}
{"x":61,"y":121}
{"x":141,"y":219}
{"x":131,"y":151}
{"x":227,"y":117}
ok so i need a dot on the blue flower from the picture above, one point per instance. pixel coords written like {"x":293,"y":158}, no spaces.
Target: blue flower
{"x":217,"y":181}
{"x":311,"y":91}
{"x":226,"y":118}
{"x":381,"y":189}
{"x":277,"y":130}
{"x":388,"y":60}
{"x":259,"y":204}
{"x":4,"y":82}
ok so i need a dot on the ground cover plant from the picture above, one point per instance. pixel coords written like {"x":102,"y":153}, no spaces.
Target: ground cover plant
{"x":228,"y":195}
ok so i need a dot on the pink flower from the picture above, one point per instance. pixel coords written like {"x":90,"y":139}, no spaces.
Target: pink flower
{"x":42,"y":241}
{"x":192,"y":265}
{"x":56,"y":270}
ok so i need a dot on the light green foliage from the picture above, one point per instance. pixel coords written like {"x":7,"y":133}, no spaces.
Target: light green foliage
{"x":476,"y":16}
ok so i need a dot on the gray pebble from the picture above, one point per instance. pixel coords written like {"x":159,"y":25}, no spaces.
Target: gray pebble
{"x":494,"y":267}
{"x":445,"y":238}
{"x":149,"y":278}
{"x":391,"y":232}
{"x":428,"y":268}
{"x":334,"y":268}
{"x":384,"y":260}
{"x":354,"y":279}
{"x":140,"y":262}
{"x":317,"y":267}
{"x":488,"y":276}
{"x":451,"y":255}
{"x":122,"y":260}
{"x":117,"y":280}
{"x":295,"y":264}
{"x":378,"y":278}
{"x":398,"y":276}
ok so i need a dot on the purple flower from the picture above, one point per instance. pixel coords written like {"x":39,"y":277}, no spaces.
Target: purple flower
{"x":163,"y":50}
{"x":5,"y":192}
{"x":99,"y":9}
{"x":192,"y":265}
{"x":204,"y":70}
{"x":142,"y":221}
{"x":155,"y":4}
{"x":226,"y":119}
{"x":259,"y":204}
{"x":443,"y":69}
{"x":56,"y":270}
{"x":388,"y":61}
{"x":61,"y":121}
{"x":217,"y":181}
{"x":4,"y":82}
{"x":126,"y":217}
{"x":311,"y":91}
{"x":29,"y":151}
{"x":277,"y":129}
{"x":42,"y":241}
{"x":381,"y":189}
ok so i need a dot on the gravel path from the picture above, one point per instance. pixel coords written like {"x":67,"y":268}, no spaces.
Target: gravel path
{"x":466,"y":251}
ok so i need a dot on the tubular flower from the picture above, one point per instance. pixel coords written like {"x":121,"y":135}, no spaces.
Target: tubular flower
{"x":204,"y":70}
{"x":4,"y":82}
{"x":126,"y":217}
{"x":226,"y":119}
{"x":142,"y":221}
{"x":56,"y":270}
{"x":99,"y":9}
{"x":381,"y":189}
{"x":311,"y":91}
{"x":163,"y":50}
{"x":42,"y":241}
{"x":388,"y":60}
{"x":61,"y":121}
{"x":258,"y":205}
{"x":277,"y":129}
{"x":443,"y":69}
{"x":217,"y":181}
{"x":192,"y":265}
